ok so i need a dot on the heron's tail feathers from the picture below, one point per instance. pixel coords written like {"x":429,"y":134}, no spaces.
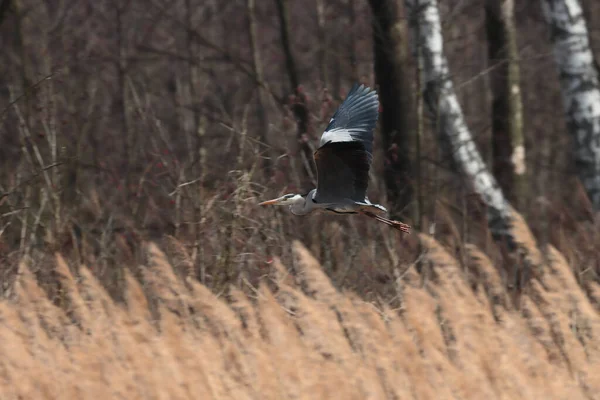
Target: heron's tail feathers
{"x":380,"y":207}
{"x":370,"y":207}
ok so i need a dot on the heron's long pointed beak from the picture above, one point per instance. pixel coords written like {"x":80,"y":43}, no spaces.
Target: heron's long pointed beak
{"x":270,"y":202}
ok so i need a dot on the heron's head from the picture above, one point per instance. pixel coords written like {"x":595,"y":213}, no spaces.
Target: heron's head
{"x":285,"y":200}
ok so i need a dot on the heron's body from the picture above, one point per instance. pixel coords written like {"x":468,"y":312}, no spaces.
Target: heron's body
{"x":306,"y":204}
{"x":343,"y":161}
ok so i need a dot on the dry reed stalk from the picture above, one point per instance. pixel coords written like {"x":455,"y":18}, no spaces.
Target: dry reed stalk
{"x":178,"y":254}
{"x":471,"y":345}
{"x":464,"y":322}
{"x":137,"y":303}
{"x":420,"y":319}
{"x":52,"y":319}
{"x":379,"y":344}
{"x":288,"y":350}
{"x":215,"y":315}
{"x":259,"y":369}
{"x":43,"y":332}
{"x":446,"y":229}
{"x":335,"y":244}
{"x":110,"y":330}
{"x":407,"y":358}
{"x":245,"y":311}
{"x":322,"y":333}
{"x":281,"y":275}
{"x":475,"y":338}
{"x":445,"y":344}
{"x":96,"y":298}
{"x":76,"y":305}
{"x":571,"y":319}
{"x":540,"y":330}
{"x":571,"y":351}
{"x":530,"y":370}
{"x":174,"y":350}
{"x":317,"y":285}
{"x":163,"y":284}
{"x":527,"y":254}
{"x":104,"y":337}
{"x":419,"y":316}
{"x":483,"y":273}
{"x":593,"y":292}
{"x":474,"y":334}
{"x":584,"y":319}
{"x":313,"y":279}
{"x":137,"y":346}
{"x":26,"y":367}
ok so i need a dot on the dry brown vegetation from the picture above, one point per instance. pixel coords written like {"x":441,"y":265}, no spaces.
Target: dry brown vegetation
{"x":455,"y":333}
{"x":134,"y":262}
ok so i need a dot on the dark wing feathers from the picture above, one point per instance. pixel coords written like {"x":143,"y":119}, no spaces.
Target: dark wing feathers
{"x":355,"y":119}
{"x":344,"y":158}
{"x":343,"y":172}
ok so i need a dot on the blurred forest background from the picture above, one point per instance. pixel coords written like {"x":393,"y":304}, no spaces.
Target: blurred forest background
{"x":126,"y":120}
{"x":137,"y":138}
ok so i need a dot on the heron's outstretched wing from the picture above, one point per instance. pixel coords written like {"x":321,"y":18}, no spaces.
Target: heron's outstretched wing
{"x":355,"y":119}
{"x":344,"y":157}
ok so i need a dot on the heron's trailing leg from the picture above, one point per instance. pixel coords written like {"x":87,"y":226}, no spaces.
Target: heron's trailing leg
{"x":394,"y":224}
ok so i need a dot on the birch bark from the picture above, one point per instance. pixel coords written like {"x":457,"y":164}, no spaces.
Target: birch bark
{"x":580,"y":89}
{"x":507,"y":117}
{"x":442,"y":102}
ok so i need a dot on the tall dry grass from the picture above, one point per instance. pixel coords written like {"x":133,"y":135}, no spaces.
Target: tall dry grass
{"x":455,"y":334}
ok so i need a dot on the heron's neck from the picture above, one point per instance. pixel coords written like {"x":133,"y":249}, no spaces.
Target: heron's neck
{"x":303,"y":205}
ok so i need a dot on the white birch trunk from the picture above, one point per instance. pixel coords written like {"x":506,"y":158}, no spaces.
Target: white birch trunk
{"x":580,"y":89}
{"x":442,"y":101}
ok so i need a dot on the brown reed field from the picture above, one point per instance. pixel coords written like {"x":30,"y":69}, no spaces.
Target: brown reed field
{"x":136,"y":139}
{"x":450,"y":331}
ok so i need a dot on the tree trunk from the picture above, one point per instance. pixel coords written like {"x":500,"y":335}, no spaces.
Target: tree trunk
{"x":323,"y":42}
{"x":4,"y":8}
{"x":299,"y":103}
{"x":122,"y":98}
{"x":580,"y":89}
{"x":263,"y":128}
{"x":507,"y":126}
{"x":284,"y":34}
{"x":352,"y":41}
{"x":189,"y":117}
{"x":455,"y":138}
{"x":390,"y":48}
{"x":523,"y":259}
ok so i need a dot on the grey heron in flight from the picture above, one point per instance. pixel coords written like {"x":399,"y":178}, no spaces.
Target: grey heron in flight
{"x":343,"y":161}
